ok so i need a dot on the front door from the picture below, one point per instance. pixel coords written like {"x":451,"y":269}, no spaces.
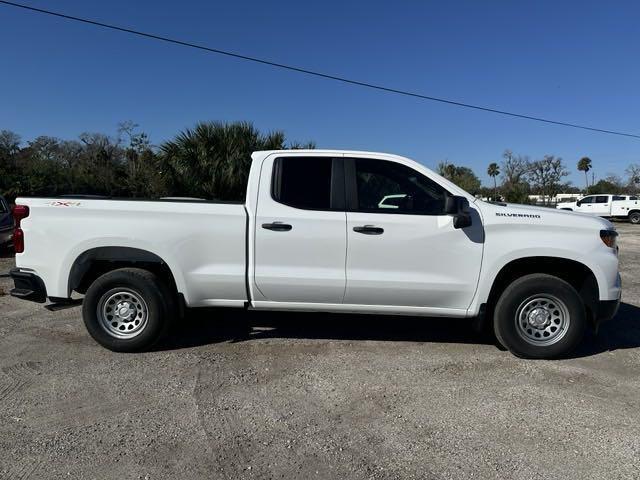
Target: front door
{"x":406,"y":252}
{"x":586,"y":205}
{"x":300,"y":230}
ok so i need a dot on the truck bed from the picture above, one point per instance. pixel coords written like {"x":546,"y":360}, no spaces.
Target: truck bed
{"x":621,"y":208}
{"x":203,"y":243}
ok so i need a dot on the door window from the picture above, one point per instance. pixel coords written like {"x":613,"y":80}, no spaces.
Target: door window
{"x":303,"y":182}
{"x":587,"y":200}
{"x":617,"y":198}
{"x":602,"y":199}
{"x":388,"y":187}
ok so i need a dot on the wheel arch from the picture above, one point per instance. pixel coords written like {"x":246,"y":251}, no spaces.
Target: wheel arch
{"x":92,"y":263}
{"x":631,"y":212}
{"x":577,"y":274}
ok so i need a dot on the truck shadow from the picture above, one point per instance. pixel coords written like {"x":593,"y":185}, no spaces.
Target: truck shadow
{"x":620,"y":333}
{"x":204,"y":326}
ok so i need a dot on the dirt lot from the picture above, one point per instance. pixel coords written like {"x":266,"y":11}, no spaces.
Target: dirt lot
{"x":316,"y":396}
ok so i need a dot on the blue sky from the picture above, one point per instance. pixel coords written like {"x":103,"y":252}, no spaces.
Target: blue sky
{"x":571,"y":61}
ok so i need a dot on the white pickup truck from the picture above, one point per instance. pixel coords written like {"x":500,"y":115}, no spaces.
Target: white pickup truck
{"x":607,"y":205}
{"x":312,"y":235}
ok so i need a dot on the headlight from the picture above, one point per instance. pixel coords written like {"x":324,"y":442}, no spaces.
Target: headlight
{"x":608,"y":237}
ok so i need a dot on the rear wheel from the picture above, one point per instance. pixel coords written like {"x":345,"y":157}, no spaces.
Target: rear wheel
{"x":540,"y":316}
{"x":127,"y":310}
{"x":634,"y":217}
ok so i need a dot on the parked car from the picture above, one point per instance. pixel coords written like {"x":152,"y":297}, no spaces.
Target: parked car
{"x":608,"y":206}
{"x":312,"y":236}
{"x":6,"y":223}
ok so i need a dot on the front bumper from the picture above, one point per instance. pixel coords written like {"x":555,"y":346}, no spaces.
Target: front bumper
{"x":28,"y":286}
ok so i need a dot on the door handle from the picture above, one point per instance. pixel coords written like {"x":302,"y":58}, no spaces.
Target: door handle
{"x":277,"y":226}
{"x":369,"y":230}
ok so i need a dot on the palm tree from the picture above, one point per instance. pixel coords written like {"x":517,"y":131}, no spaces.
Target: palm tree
{"x":494,"y":171}
{"x":584,"y":165}
{"x":446,"y":169}
{"x":212,"y":160}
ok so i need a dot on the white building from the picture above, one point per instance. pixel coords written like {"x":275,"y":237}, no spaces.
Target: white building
{"x":561,"y":197}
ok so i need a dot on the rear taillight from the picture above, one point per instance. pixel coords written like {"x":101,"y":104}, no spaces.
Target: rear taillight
{"x":18,"y":240}
{"x":19,"y":212}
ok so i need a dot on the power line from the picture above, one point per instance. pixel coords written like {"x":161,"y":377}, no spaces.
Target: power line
{"x":312,"y":72}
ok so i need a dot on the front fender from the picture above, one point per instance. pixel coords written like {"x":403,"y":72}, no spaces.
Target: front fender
{"x":590,"y":252}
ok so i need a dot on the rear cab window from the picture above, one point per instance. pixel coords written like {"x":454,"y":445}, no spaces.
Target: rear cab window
{"x":309,"y":183}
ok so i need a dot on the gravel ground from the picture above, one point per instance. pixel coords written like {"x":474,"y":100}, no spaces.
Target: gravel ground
{"x":316,"y":396}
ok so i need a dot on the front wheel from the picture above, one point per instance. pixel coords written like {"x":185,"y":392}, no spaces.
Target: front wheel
{"x":634,"y":217}
{"x":127,"y":310}
{"x":540,"y":316}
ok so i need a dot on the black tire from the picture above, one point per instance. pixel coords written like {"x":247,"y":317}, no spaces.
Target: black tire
{"x":634,"y":217}
{"x":139,"y":288}
{"x":523,"y":302}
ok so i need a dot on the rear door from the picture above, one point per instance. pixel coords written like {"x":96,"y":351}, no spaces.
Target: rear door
{"x":406,"y":253}
{"x":602,"y":205}
{"x":617,"y":205}
{"x":300,"y":231}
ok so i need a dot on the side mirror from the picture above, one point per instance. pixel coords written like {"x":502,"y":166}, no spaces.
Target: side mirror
{"x":578,"y":203}
{"x":458,"y":208}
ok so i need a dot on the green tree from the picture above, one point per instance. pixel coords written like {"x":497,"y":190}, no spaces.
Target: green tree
{"x":143,"y":174}
{"x":515,"y":188}
{"x":516,"y":192}
{"x":633,"y":176}
{"x":461,"y":176}
{"x":545,"y":175}
{"x":9,"y":144}
{"x":611,"y":184}
{"x":568,"y":188}
{"x":584,"y":165}
{"x":212,"y":160}
{"x":310,"y":145}
{"x":9,"y":151}
{"x":493,"y":171}
{"x":104,"y":167}
{"x":40,"y":168}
